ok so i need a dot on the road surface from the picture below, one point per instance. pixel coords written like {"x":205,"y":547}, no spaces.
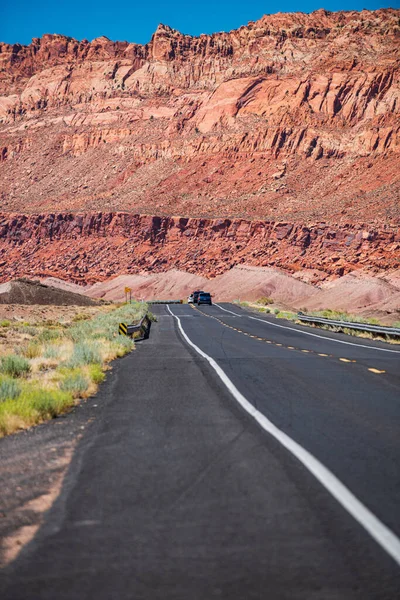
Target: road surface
{"x":176,"y":491}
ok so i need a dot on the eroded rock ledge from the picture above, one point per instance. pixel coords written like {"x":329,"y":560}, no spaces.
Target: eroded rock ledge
{"x":90,"y":247}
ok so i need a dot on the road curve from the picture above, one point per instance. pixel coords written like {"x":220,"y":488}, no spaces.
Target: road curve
{"x":175,"y":492}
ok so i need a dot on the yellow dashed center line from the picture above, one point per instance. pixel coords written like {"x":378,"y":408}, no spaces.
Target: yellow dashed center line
{"x":255,"y":337}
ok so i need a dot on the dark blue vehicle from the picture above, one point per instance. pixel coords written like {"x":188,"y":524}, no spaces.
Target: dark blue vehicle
{"x":204,"y":298}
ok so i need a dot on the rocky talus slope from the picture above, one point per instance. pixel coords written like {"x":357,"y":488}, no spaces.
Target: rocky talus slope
{"x":288,"y":127}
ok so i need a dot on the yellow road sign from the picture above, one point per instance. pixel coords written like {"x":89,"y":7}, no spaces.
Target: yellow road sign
{"x":127,"y":290}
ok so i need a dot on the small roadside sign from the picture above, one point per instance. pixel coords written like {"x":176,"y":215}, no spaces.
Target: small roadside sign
{"x":123,"y":329}
{"x":128,"y":294}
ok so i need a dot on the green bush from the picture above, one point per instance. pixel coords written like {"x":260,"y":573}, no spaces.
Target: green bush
{"x":75,"y":383}
{"x":51,"y":351}
{"x":47,"y":403}
{"x":276,"y":311}
{"x":5,"y":323}
{"x":49,"y":334}
{"x":33,"y":406}
{"x":96,"y":374}
{"x":85,"y":353}
{"x":9,"y":389}
{"x":14,"y":365}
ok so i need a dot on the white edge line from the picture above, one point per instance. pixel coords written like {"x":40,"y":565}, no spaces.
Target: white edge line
{"x":322,"y":337}
{"x":378,"y":531}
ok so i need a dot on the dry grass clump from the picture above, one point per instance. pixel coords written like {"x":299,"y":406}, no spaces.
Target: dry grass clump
{"x":264,"y":301}
{"x":54,"y":365}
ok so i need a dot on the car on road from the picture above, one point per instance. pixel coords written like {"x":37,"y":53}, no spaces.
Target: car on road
{"x":195,"y":296}
{"x":190,"y":299}
{"x":204,"y":298}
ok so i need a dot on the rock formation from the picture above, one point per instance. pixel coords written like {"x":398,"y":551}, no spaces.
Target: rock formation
{"x":288,"y":127}
{"x":86,"y":248}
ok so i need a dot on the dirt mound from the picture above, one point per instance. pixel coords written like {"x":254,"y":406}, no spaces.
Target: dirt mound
{"x":26,"y":291}
{"x":355,"y":292}
{"x":170,"y":285}
{"x":251,"y":283}
{"x":67,"y":286}
{"x":393,"y":277}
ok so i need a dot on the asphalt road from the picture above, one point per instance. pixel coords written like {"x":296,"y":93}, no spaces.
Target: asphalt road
{"x":176,"y":492}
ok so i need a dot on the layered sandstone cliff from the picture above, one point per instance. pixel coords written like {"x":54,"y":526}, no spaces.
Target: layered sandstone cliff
{"x":86,"y":248}
{"x":294,"y":117}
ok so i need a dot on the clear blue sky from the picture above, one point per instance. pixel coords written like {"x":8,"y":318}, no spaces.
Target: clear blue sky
{"x":136,"y":21}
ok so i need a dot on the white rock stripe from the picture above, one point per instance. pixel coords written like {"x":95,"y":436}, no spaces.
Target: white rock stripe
{"x":322,"y":337}
{"x":378,"y":531}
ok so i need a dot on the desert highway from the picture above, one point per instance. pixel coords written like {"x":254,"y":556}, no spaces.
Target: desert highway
{"x":233,"y":456}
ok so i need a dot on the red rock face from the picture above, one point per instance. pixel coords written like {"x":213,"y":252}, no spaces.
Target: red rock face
{"x":86,"y":248}
{"x":291,"y":119}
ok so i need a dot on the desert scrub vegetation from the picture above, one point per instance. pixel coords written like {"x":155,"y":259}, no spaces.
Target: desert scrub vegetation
{"x":14,"y":365}
{"x":54,"y":364}
{"x":264,"y":301}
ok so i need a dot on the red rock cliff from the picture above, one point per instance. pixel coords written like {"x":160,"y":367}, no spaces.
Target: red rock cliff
{"x":92,"y":247}
{"x":293,"y":117}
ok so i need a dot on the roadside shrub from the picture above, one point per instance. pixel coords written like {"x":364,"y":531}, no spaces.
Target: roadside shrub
{"x":33,"y":406}
{"x":84,"y":353}
{"x":32,"y":350}
{"x":5,"y":323}
{"x":46,"y":403}
{"x":264,"y":300}
{"x":276,"y":311}
{"x":51,"y":351}
{"x":48,"y":334}
{"x":75,"y":383}
{"x":9,"y":389}
{"x":96,"y":374}
{"x":14,"y":365}
{"x":80,"y":317}
{"x":286,"y":315}
{"x":29,"y":330}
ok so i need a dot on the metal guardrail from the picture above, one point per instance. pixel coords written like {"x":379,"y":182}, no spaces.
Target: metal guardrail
{"x":378,"y":329}
{"x":142,"y":327}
